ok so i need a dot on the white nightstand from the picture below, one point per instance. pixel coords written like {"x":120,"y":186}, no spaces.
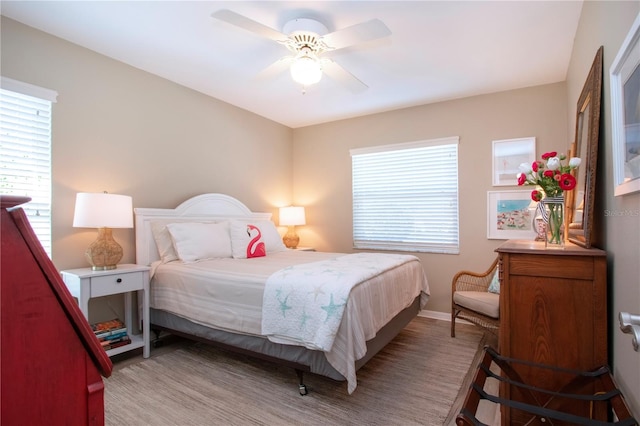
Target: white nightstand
{"x":85,"y":284}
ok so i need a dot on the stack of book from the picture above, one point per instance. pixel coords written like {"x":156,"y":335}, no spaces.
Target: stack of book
{"x":111,"y":334}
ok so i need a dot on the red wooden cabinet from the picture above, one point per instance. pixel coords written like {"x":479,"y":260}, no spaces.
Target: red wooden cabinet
{"x":51,"y":363}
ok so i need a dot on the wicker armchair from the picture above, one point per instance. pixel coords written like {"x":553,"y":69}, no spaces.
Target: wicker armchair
{"x":472,"y":301}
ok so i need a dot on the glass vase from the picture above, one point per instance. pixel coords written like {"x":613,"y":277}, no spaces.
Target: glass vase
{"x":554,"y":222}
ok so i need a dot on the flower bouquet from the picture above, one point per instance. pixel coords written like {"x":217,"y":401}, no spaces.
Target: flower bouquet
{"x":553,"y":177}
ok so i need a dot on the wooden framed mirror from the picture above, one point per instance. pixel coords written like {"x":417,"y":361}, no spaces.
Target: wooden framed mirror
{"x":580,"y":201}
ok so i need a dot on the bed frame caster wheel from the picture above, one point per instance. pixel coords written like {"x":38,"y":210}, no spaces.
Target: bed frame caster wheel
{"x":303,"y":389}
{"x":157,"y":342}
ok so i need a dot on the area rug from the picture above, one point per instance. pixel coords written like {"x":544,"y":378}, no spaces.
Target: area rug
{"x":415,"y":380}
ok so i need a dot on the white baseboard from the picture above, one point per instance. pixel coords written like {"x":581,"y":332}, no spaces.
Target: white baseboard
{"x":442,"y":316}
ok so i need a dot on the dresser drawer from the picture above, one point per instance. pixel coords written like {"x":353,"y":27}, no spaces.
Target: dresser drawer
{"x":555,"y":266}
{"x":116,"y":283}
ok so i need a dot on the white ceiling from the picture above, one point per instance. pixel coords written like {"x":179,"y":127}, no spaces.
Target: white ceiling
{"x":438,"y":50}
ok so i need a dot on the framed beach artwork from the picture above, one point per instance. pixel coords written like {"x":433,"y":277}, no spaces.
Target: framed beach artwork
{"x":508,"y":154}
{"x":510,"y":215}
{"x":625,"y":113}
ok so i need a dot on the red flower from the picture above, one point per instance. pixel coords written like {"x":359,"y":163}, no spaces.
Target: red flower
{"x":548,"y":155}
{"x":567,"y":182}
{"x":536,"y":195}
{"x":548,"y":173}
{"x":534,"y":166}
{"x":522,"y":178}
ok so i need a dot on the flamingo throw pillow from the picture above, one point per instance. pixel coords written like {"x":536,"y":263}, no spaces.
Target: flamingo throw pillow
{"x":254,"y":238}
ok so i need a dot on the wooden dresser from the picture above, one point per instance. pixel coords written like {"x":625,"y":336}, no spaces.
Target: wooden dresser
{"x":51,"y":362}
{"x":553,"y":310}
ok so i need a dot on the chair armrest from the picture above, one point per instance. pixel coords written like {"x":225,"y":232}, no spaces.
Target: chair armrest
{"x":473,"y":281}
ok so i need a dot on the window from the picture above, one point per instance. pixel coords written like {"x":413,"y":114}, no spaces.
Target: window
{"x":25,"y":151}
{"x":405,"y":197}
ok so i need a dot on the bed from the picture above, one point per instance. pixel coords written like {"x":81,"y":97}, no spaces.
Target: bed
{"x":220,"y":274}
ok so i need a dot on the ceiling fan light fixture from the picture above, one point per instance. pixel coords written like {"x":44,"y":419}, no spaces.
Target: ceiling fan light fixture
{"x":306,"y":70}
{"x":308,"y":40}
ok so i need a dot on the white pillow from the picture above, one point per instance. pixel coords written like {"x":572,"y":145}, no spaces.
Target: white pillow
{"x":199,"y":241}
{"x":163,"y":241}
{"x":246,"y":237}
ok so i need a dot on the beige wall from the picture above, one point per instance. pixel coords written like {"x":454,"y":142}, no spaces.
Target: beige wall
{"x":607,"y":24}
{"x":125,"y":131}
{"x":322,"y":167}
{"x":119,"y":129}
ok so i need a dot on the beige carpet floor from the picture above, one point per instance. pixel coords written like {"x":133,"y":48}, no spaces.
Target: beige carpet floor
{"x":416,"y":380}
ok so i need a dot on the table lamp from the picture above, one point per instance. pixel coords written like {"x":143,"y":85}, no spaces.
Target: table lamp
{"x":103,"y":211}
{"x":291,"y":216}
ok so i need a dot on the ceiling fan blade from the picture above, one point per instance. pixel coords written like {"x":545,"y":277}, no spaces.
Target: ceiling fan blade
{"x":356,"y":34}
{"x":245,"y":23}
{"x":344,"y":77}
{"x":276,"y":68}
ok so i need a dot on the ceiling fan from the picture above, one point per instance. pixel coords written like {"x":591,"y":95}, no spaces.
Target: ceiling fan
{"x":309,"y":41}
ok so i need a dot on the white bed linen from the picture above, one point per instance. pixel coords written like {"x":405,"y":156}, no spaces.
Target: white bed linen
{"x":304,"y":304}
{"x":222,"y":293}
{"x":227,"y":294}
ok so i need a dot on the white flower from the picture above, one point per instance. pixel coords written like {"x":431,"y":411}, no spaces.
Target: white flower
{"x":574,"y":162}
{"x":553,"y":163}
{"x":525,"y":168}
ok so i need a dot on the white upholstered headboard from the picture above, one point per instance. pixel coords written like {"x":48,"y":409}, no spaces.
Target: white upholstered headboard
{"x":205,"y":207}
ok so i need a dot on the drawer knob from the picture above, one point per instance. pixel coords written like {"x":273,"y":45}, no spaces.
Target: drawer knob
{"x":119,"y":280}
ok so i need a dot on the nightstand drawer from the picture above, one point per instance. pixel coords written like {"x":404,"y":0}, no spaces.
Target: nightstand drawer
{"x":117,"y":283}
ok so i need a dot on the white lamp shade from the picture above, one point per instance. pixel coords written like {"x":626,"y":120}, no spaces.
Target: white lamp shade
{"x":102,"y":210}
{"x":306,"y":70}
{"x":291,"y":216}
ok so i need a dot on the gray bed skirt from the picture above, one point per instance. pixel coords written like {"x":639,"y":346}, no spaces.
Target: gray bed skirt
{"x":297,"y":357}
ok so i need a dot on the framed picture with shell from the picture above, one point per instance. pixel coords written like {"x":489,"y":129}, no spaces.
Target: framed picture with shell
{"x":508,"y":154}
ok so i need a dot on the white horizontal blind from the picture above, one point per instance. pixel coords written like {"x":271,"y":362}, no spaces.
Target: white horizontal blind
{"x":25,"y":155}
{"x":405,"y":197}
